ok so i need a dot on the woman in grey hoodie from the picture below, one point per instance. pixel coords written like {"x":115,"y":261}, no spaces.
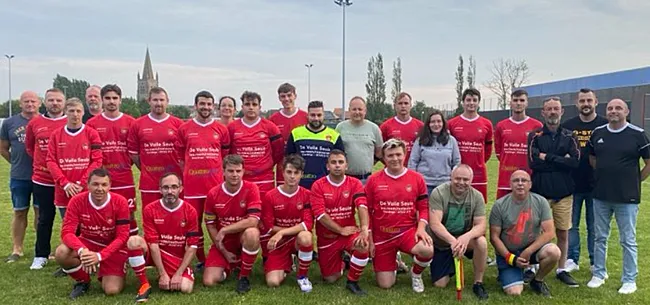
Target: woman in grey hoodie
{"x":435,"y":152}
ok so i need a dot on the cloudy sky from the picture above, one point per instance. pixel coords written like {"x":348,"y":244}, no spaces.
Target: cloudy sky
{"x":230,"y":46}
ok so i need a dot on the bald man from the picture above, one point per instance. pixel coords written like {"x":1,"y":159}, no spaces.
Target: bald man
{"x":93,"y":101}
{"x":615,"y":150}
{"x":12,"y":149}
{"x":457,"y":219}
{"x":521,"y":231}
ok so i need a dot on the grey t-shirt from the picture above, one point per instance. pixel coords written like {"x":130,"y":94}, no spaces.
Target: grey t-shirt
{"x":13,"y":130}
{"x":360,"y":142}
{"x":520,"y":222}
{"x":458,"y":213}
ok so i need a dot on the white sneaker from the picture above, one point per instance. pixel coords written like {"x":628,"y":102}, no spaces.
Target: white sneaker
{"x":596,"y":282}
{"x":591,"y":268}
{"x":627,"y":288}
{"x":417,"y":283}
{"x":38,"y":263}
{"x":305,"y":284}
{"x":571,"y":266}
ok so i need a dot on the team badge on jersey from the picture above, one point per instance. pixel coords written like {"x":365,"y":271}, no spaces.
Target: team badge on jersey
{"x":170,"y":132}
{"x":346,"y":194}
{"x":262,"y":135}
{"x":215,"y":136}
{"x":84,"y":146}
{"x":124,"y":130}
{"x":299,"y":205}
{"x":409,"y":188}
{"x":242,"y":203}
{"x":328,"y":138}
{"x":183,"y":223}
{"x":109,"y":221}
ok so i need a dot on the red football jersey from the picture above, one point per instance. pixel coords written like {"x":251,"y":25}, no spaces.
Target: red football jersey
{"x":37,"y":137}
{"x":394,"y":203}
{"x":338,"y":201}
{"x":261,"y":147}
{"x":286,"y":210}
{"x":106,"y":225}
{"x":155,"y":142}
{"x":116,"y":159}
{"x":72,"y":156}
{"x":172,"y":230}
{"x":202,"y":147}
{"x":407,"y":131}
{"x":511,"y":147}
{"x":474,"y":142}
{"x":286,"y":124}
{"x":223,"y":208}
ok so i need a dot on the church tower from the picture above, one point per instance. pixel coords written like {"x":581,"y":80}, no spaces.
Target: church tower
{"x":147,"y":81}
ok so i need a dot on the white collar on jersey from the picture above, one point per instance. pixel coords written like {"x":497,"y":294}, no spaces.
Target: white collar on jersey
{"x":397,"y":176}
{"x":76,"y":132}
{"x":336,"y":184}
{"x":519,"y":122}
{"x":404,"y":122}
{"x":103,"y":205}
{"x":115,"y":119}
{"x":290,"y":115}
{"x":203,"y":124}
{"x":259,"y":119}
{"x":469,"y":120}
{"x":288,"y":195}
{"x":172,"y":210}
{"x":225,"y":190}
{"x":158,"y":121}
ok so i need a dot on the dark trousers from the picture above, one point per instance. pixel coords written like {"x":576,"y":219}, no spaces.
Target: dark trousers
{"x":44,"y":195}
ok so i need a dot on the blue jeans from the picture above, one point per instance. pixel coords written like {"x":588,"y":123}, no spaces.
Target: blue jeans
{"x":574,"y":232}
{"x":626,"y":216}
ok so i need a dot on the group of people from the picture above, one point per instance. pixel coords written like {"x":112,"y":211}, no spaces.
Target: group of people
{"x":429,"y":201}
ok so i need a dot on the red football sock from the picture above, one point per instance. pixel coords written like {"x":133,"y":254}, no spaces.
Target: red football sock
{"x":304,"y":260}
{"x":137,"y":262}
{"x":420,"y":263}
{"x":247,"y":261}
{"x":78,"y":274}
{"x":357,"y":263}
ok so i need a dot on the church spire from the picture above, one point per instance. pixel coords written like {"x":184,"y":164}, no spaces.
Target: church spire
{"x":147,"y":72}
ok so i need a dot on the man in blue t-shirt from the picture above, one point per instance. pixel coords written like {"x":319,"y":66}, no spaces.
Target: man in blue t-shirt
{"x":12,"y":149}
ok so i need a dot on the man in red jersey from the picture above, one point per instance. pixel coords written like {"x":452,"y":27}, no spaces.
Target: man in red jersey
{"x":37,"y":138}
{"x":113,"y":127}
{"x":334,"y":199}
{"x":402,"y":125}
{"x":152,"y":145}
{"x":232,"y":214}
{"x":202,"y":143}
{"x":288,"y":118}
{"x":510,"y":141}
{"x":258,"y":141}
{"x":474,"y":135}
{"x":287,"y":218}
{"x":399,"y":212}
{"x":94,"y":235}
{"x":171,"y":235}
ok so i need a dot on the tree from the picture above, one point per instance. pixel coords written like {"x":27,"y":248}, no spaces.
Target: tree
{"x":4,"y":108}
{"x":507,"y":74}
{"x":378,"y":109}
{"x":179,"y":111}
{"x":130,"y":107}
{"x":143,"y":107}
{"x":420,"y":110}
{"x":71,"y":88}
{"x":460,"y":82}
{"x":397,"y":79}
{"x":471,"y":73}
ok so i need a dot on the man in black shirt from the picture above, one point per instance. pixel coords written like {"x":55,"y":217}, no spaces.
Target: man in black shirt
{"x":615,"y":150}
{"x":93,"y":105}
{"x":582,"y":125}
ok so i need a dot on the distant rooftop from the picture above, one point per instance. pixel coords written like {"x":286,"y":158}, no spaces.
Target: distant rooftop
{"x":626,"y":78}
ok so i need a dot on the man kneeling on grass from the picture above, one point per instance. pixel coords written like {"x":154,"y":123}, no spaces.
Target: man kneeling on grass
{"x":521,"y":231}
{"x":102,"y":219}
{"x":457,"y":219}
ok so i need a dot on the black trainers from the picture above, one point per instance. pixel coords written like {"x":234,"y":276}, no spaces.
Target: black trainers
{"x":143,"y":293}
{"x":354,"y":288}
{"x":314,"y":256}
{"x":198,"y":268}
{"x":567,"y":279}
{"x":479,"y":291}
{"x":59,"y":273}
{"x":529,"y":275}
{"x":540,"y":287}
{"x":243,"y":285}
{"x":79,"y":289}
{"x":346,"y":260}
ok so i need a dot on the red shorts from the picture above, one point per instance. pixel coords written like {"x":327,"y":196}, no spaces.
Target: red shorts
{"x":330,"y":251}
{"x":215,"y":258}
{"x":386,"y":250}
{"x":501,"y":193}
{"x":483,"y":189}
{"x":114,"y":265}
{"x":127,"y":192}
{"x":198,"y":204}
{"x":171,"y":263}
{"x":280,"y":257}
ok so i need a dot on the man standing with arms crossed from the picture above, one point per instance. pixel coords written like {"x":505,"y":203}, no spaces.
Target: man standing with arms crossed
{"x":37,"y":138}
{"x":203,"y":142}
{"x":12,"y":149}
{"x":553,"y":155}
{"x":287,"y":119}
{"x":582,"y":126}
{"x":402,"y":125}
{"x":113,"y":128}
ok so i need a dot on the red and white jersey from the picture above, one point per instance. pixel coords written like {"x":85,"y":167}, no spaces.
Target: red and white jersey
{"x":396,"y":203}
{"x":474,"y":137}
{"x":286,"y":124}
{"x":338,"y":201}
{"x":155,"y":142}
{"x":202,"y":147}
{"x":223,"y":208}
{"x":511,"y":147}
{"x":407,"y":131}
{"x":260,"y":145}
{"x":72,"y":156}
{"x":173,"y":230}
{"x":286,"y":210}
{"x":37,"y":137}
{"x":106,"y":225}
{"x":114,"y":134}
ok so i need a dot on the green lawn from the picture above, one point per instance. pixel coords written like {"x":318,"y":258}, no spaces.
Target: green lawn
{"x":19,"y":285}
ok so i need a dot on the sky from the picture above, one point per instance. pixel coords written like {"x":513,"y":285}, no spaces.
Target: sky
{"x":227,"y":47}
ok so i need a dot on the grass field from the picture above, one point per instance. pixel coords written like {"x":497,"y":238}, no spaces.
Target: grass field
{"x":19,"y":285}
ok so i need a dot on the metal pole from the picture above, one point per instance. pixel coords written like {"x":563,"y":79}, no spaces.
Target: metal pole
{"x":309,"y":82}
{"x":9,"y":57}
{"x":343,"y":4}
